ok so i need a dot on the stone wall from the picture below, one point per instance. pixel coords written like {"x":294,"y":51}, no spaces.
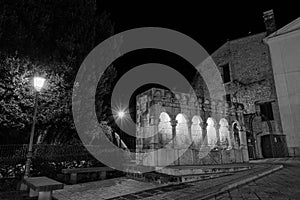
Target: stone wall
{"x":252,"y":79}
{"x":165,"y":117}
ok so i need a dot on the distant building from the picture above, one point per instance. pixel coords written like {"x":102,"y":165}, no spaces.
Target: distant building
{"x":246,"y":69}
{"x":284,"y":47}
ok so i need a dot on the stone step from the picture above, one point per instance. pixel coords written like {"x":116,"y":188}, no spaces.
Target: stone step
{"x":159,"y":178}
{"x":180,"y":174}
{"x":191,"y":170}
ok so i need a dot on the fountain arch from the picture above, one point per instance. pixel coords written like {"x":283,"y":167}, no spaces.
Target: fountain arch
{"x":178,"y":119}
{"x":164,"y":128}
{"x":224,"y":133}
{"x":182,"y":133}
{"x":211,"y":132}
{"x":196,"y":131}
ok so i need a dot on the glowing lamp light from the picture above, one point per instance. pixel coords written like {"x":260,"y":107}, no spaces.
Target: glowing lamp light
{"x":38,"y":83}
{"x":121,"y":114}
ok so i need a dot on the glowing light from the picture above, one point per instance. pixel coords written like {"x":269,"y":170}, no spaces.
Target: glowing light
{"x":38,"y":83}
{"x":121,"y":114}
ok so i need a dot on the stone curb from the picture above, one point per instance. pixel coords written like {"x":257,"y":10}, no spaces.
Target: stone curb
{"x":242,"y":182}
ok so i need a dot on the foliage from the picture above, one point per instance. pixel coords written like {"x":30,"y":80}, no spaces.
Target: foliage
{"x":17,"y":98}
{"x":47,"y":159}
{"x":49,"y":38}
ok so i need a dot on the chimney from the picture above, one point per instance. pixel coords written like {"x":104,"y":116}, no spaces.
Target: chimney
{"x":269,"y":20}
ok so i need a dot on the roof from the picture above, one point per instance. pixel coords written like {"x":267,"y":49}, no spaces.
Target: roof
{"x":254,"y":36}
{"x":291,"y":27}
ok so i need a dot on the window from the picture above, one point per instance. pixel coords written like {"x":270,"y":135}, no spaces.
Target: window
{"x":266,"y":111}
{"x":228,"y":97}
{"x":226,"y":73}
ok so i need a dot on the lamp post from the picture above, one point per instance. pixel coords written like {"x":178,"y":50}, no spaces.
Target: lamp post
{"x":121,"y":114}
{"x":38,"y":83}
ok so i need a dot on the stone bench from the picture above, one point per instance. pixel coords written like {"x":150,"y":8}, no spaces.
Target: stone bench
{"x":42,"y":187}
{"x":75,"y":171}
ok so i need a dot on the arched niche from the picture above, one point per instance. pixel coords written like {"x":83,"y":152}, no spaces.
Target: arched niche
{"x":182,"y":133}
{"x":211,"y":132}
{"x":236,"y":136}
{"x":164,"y":128}
{"x":196,"y":131}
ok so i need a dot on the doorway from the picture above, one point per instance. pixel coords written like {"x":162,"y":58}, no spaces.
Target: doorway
{"x":266,"y":146}
{"x":279,"y":146}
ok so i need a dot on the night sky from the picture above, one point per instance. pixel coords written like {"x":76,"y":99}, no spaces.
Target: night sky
{"x":211,"y":24}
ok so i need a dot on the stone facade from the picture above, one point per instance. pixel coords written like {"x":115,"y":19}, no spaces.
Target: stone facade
{"x":176,"y":128}
{"x":251,"y":83}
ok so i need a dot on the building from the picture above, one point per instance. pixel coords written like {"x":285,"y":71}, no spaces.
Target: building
{"x":284,"y":45}
{"x":175,"y":128}
{"x":245,"y":65}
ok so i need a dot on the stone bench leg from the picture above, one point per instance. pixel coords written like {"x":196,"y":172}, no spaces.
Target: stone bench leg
{"x":41,"y":195}
{"x":73,"y":178}
{"x":45,"y":195}
{"x":33,"y":193}
{"x":102,"y":175}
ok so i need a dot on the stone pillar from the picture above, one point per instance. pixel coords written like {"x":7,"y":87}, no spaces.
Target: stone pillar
{"x":242,"y":135}
{"x":217,"y":127}
{"x":204,"y":133}
{"x":157,"y":136}
{"x":229,"y":137}
{"x":173,"y":124}
{"x":204,"y":148}
{"x":236,"y":136}
{"x":243,"y":144}
{"x":189,"y":124}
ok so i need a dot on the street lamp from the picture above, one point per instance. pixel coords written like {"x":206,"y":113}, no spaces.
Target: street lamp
{"x":121,"y":114}
{"x":38,"y":83}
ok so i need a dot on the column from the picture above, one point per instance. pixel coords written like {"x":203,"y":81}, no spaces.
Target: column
{"x":157,"y":136}
{"x":217,"y":127}
{"x":189,"y":124}
{"x":243,"y":144}
{"x":236,"y":135}
{"x":204,"y":148}
{"x":173,"y":124}
{"x":204,"y":133}
{"x":230,"y":142}
{"x":242,"y":136}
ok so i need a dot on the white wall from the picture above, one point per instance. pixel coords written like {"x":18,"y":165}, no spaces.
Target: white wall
{"x":285,"y":55}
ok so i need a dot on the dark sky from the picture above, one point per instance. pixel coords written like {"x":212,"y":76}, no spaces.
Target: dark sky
{"x":211,"y":24}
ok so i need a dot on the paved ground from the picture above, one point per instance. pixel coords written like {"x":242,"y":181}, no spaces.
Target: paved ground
{"x":283,"y":184}
{"x":102,"y":189}
{"x":288,"y":160}
{"x":131,"y":189}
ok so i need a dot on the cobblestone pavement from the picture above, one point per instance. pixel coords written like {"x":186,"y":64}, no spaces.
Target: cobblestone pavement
{"x":130,"y":189}
{"x":283,"y":184}
{"x":102,"y":189}
{"x":287,"y":160}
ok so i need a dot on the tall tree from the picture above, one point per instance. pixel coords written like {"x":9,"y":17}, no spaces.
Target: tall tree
{"x":50,"y":38}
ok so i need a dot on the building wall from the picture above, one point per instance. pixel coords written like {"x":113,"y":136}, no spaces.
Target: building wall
{"x":252,"y":79}
{"x":165,"y":127}
{"x":285,"y":54}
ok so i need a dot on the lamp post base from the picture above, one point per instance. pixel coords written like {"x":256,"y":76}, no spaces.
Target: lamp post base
{"x":28,"y":165}
{"x":23,"y":186}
